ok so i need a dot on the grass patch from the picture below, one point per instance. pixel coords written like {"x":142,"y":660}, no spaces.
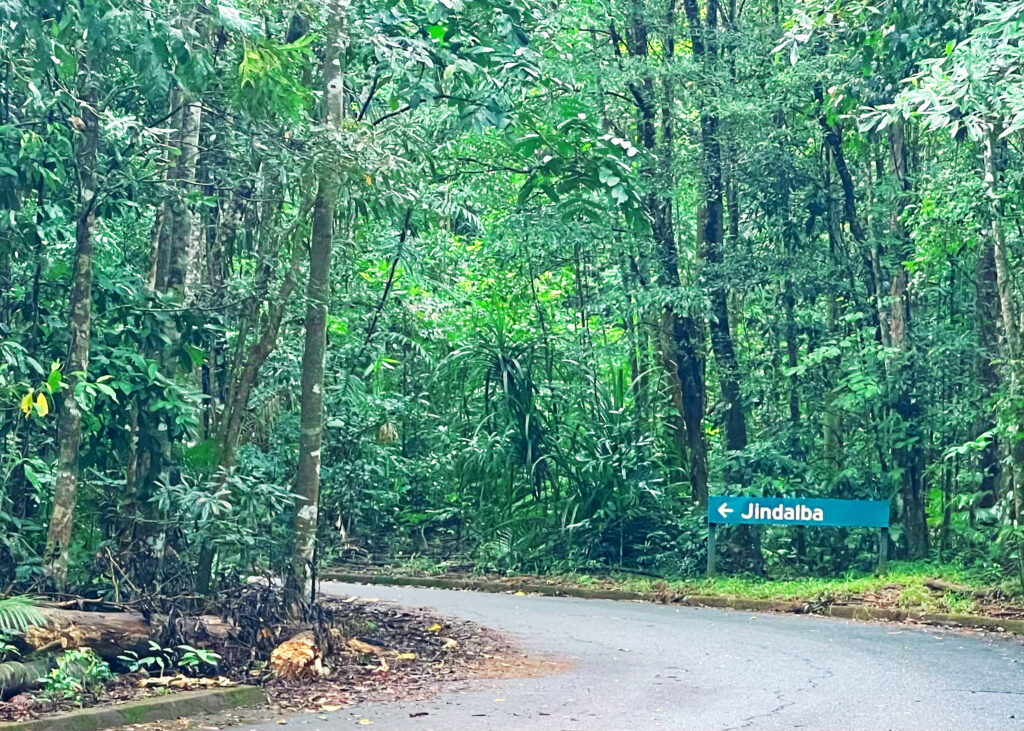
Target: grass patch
{"x":902,"y":587}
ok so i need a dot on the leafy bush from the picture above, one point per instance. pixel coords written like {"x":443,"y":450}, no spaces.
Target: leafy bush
{"x":78,"y":673}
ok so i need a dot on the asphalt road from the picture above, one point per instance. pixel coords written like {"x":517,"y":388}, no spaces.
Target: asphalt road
{"x":643,"y":666}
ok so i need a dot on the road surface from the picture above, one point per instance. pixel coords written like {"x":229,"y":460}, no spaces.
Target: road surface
{"x":644,"y":666}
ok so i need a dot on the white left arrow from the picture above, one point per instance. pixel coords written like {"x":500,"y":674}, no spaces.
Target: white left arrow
{"x":724,"y":510}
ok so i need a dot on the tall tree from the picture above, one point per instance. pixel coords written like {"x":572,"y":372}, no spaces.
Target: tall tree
{"x":311,"y":419}
{"x":65,"y":492}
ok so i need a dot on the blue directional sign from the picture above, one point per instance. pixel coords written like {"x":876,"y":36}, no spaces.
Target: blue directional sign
{"x":798,"y":511}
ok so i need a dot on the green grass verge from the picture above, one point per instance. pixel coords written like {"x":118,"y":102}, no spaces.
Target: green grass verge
{"x":902,"y":587}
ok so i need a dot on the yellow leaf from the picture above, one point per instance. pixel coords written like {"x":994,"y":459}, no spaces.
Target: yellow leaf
{"x":26,"y":404}
{"x":365,"y":722}
{"x":42,"y":406}
{"x":450,"y":644}
{"x":330,"y":708}
{"x":405,"y":656}
{"x":434,"y":628}
{"x":369,"y":180}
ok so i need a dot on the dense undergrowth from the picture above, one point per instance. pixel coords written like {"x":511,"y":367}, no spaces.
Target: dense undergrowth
{"x":527,"y":285}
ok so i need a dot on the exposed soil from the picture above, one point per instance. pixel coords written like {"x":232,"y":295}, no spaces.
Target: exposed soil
{"x":413,"y":654}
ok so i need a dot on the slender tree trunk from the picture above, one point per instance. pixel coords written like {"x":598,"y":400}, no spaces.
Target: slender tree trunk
{"x":661,"y":177}
{"x":690,"y":367}
{"x":311,"y":420}
{"x":869,"y":253}
{"x":910,"y":458}
{"x":243,"y":384}
{"x":162,"y":235}
{"x":704,"y":42}
{"x":1014,"y":340}
{"x":677,"y":422}
{"x":833,"y":417}
{"x":69,"y":430}
{"x":790,"y":240}
{"x":184,"y":228}
{"x":986,"y":317}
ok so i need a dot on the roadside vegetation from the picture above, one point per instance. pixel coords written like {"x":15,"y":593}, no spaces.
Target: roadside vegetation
{"x":907,"y":585}
{"x":503,"y":283}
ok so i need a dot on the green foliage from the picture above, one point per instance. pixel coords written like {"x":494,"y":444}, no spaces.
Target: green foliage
{"x":197,"y":660}
{"x":78,"y":673}
{"x":192,"y":661}
{"x":159,"y":660}
{"x":534,"y":349}
{"x":17,"y":613}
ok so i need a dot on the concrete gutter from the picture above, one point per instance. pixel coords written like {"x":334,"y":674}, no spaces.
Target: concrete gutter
{"x":147,"y":710}
{"x":844,"y":611}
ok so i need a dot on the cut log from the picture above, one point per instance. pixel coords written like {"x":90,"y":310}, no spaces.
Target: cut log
{"x":298,"y":657}
{"x":110,"y":634}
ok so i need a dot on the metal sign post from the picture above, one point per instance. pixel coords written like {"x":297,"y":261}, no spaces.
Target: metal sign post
{"x":728,"y":510}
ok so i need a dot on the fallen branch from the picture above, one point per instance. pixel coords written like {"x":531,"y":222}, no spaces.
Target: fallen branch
{"x":948,"y":586}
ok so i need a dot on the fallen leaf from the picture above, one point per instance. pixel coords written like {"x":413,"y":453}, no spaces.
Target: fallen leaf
{"x":450,"y":644}
{"x":405,"y":656}
{"x":435,"y":627}
{"x":330,"y":708}
{"x":365,"y":722}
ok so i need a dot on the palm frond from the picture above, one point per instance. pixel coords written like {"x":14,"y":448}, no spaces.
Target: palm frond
{"x":18,"y":613}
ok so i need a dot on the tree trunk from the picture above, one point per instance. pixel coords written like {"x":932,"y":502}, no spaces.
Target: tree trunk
{"x":986,"y":317}
{"x":69,"y":430}
{"x":690,"y":369}
{"x":311,"y":423}
{"x":910,"y":458}
{"x":183,"y":218}
{"x":704,"y":42}
{"x":833,"y":417}
{"x":681,"y":329}
{"x":110,"y":634}
{"x":246,"y":364}
{"x":677,"y":365}
{"x":160,"y":234}
{"x":311,"y":420}
{"x":792,"y":356}
{"x":24,"y":675}
{"x":1010,"y":318}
